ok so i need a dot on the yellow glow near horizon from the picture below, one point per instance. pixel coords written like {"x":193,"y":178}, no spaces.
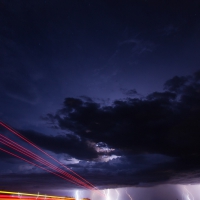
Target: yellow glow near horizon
{"x":35,"y":195}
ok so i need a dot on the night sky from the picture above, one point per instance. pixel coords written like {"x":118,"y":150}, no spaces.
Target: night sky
{"x":110,"y":88}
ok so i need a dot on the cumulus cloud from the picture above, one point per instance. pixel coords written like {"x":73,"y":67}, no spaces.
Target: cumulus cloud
{"x":162,"y":123}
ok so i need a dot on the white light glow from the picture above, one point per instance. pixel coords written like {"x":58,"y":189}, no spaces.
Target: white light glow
{"x":77,"y":195}
{"x":117,"y":194}
{"x":107,"y":194}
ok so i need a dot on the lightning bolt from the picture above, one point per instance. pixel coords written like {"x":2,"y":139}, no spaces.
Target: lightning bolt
{"x":77,"y":196}
{"x":117,"y":194}
{"x":186,"y":194}
{"x":189,"y":194}
{"x":128,"y":195}
{"x":107,"y":194}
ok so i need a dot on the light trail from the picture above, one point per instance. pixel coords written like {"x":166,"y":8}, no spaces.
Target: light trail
{"x":8,"y":197}
{"x":28,"y":141}
{"x":33,"y":158}
{"x":128,"y":194}
{"x":30,"y":154}
{"x":19,"y":195}
{"x":34,"y":164}
{"x":33,"y":195}
{"x":22,"y":137}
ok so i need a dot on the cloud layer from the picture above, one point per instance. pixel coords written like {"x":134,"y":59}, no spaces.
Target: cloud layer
{"x":154,"y":138}
{"x":135,"y":141}
{"x":163,"y":122}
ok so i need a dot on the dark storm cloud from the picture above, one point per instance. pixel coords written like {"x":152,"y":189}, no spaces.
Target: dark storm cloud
{"x":165,"y":123}
{"x":71,"y":144}
{"x":156,"y":137}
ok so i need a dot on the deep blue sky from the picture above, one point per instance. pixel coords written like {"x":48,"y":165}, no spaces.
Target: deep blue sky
{"x":105,"y":60}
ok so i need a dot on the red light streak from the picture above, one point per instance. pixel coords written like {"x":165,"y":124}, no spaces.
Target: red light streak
{"x":7,"y":197}
{"x":32,"y":195}
{"x":30,"y":154}
{"x":43,"y":161}
{"x":33,"y":163}
{"x":22,"y":137}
